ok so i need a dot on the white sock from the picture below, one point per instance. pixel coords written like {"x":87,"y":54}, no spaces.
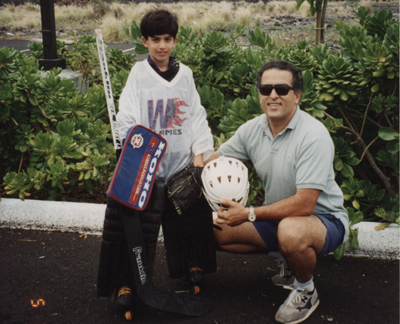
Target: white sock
{"x":309,"y":285}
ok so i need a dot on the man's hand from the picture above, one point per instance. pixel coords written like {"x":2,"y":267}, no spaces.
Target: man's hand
{"x":235,"y":215}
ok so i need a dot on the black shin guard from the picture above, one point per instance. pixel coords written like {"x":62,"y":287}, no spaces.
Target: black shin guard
{"x":150,"y":220}
{"x":141,"y":229}
{"x":189,"y":239}
{"x":112,"y":252}
{"x":114,"y":265}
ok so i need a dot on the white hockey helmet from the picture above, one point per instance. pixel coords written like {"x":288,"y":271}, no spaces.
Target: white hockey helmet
{"x":225,"y":178}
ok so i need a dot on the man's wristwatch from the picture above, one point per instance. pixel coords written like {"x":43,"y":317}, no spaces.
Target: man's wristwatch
{"x":252,"y":216}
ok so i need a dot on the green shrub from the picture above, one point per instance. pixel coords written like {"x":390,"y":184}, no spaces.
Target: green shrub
{"x":54,"y":138}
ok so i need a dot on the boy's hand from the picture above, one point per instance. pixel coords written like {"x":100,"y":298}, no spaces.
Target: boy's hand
{"x":184,"y":189}
{"x":198,"y":161}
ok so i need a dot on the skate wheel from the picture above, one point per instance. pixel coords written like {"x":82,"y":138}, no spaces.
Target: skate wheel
{"x":196,"y":290}
{"x":128,"y":316}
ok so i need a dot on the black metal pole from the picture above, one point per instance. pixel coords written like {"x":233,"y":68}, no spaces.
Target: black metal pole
{"x":49,"y":37}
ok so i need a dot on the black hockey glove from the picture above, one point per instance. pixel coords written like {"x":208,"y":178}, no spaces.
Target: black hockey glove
{"x":185,"y":188}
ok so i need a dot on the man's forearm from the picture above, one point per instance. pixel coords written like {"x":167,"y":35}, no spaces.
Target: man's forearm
{"x":301,"y":204}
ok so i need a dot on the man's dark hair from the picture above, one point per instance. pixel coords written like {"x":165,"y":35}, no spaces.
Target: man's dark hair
{"x":297,"y":80}
{"x":159,"y":22}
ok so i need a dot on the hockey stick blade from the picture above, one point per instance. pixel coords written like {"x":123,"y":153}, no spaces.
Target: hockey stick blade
{"x":173,"y":302}
{"x":147,"y":292}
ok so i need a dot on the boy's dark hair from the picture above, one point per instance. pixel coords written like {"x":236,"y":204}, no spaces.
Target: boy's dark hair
{"x":297,"y":80}
{"x":159,"y":22}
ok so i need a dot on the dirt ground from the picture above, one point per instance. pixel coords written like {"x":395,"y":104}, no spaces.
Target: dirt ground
{"x":56,"y":272}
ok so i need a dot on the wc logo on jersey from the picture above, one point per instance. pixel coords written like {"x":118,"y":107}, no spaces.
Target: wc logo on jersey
{"x":170,"y":117}
{"x":137,"y":166}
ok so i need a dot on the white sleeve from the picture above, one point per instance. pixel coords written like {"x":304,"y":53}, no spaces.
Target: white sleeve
{"x":129,"y":108}
{"x":202,"y":137}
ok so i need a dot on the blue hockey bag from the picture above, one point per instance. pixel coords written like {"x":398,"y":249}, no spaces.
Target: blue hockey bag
{"x":137,"y":166}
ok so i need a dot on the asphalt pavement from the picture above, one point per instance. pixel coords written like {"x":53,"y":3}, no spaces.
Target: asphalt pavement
{"x":50,"y":277}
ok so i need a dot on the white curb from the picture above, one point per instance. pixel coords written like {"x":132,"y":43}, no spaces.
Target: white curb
{"x":88,"y":218}
{"x":381,"y":244}
{"x":52,"y":215}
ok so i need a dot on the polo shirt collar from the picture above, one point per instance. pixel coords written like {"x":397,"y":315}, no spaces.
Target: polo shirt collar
{"x":292,"y":124}
{"x":295,"y":119}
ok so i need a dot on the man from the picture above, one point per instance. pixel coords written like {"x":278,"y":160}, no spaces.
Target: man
{"x":303,"y":215}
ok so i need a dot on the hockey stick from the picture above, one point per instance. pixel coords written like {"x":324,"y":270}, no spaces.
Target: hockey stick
{"x":146,"y":291}
{"x":107,"y":89}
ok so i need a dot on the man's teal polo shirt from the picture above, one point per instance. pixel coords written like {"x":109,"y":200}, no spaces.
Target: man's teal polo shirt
{"x":300,"y":157}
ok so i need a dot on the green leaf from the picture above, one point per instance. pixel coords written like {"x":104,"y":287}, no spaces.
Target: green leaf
{"x":381,"y":226}
{"x":375,"y":88}
{"x":141,"y":49}
{"x":360,"y":193}
{"x":393,"y":146}
{"x":344,"y":96}
{"x":338,"y":164}
{"x":388,"y":134}
{"x":21,"y":195}
{"x":339,"y":252}
{"x":354,"y":239}
{"x":356,"y":204}
{"x":50,"y":160}
{"x":347,"y":170}
{"x":326,"y":97}
{"x":354,"y":217}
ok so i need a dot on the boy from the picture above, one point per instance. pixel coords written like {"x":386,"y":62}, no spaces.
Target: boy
{"x":160,"y":94}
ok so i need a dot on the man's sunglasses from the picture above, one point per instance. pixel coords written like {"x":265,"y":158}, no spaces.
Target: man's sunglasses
{"x":281,"y":89}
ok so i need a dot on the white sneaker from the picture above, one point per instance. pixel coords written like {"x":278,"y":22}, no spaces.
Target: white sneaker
{"x":285,"y":277}
{"x":298,"y":306}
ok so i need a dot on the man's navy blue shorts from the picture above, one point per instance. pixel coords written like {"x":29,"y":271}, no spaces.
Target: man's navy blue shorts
{"x":334,"y":235}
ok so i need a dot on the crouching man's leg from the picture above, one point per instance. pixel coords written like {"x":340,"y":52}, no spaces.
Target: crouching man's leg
{"x":240,"y":239}
{"x":301,"y":241}
{"x":189,"y":241}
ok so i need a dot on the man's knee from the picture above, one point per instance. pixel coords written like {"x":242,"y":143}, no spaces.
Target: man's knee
{"x":291,"y":236}
{"x":296,"y":234}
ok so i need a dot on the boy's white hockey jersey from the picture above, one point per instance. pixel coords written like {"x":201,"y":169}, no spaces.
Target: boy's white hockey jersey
{"x":171,"y":109}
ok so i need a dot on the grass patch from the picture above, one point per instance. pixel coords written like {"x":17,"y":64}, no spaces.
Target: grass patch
{"x":200,"y":16}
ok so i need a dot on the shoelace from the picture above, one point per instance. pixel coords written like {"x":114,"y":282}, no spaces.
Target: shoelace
{"x":295,"y":297}
{"x":282,"y":264}
{"x":124,"y":291}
